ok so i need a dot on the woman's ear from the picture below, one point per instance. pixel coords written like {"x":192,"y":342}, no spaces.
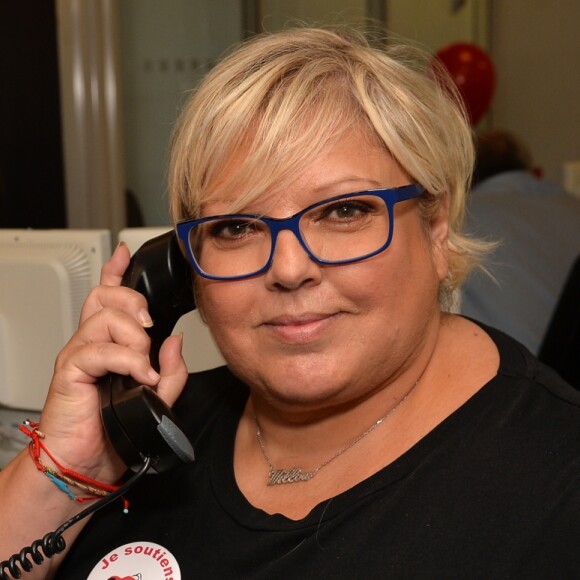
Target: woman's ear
{"x":439,"y":229}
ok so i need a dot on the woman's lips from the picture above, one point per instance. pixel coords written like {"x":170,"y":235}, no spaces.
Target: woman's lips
{"x":300,"y":329}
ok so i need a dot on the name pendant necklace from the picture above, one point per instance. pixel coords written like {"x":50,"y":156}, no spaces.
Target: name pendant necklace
{"x":297,"y":474}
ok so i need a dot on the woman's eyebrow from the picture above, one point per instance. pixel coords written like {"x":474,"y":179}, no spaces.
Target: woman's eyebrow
{"x":358,"y":182}
{"x":318,"y":192}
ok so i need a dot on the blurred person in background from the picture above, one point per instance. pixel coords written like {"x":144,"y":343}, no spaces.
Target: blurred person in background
{"x":536,"y":224}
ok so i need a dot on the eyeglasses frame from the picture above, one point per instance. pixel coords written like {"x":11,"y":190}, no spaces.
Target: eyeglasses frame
{"x":390,"y":196}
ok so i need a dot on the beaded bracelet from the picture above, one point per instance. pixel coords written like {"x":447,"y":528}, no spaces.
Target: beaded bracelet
{"x":66,"y":480}
{"x":65,"y":477}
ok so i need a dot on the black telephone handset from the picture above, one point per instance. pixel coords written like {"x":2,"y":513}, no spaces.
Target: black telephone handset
{"x":138,"y":423}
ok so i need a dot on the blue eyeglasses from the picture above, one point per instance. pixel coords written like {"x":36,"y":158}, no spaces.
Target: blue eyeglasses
{"x":339,"y":230}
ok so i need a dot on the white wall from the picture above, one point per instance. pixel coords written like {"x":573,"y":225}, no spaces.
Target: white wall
{"x":166,"y":47}
{"x":435,"y":23}
{"x":535,"y":45}
{"x":277,"y":13}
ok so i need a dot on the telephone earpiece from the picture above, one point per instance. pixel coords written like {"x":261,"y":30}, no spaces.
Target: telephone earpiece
{"x":138,"y":423}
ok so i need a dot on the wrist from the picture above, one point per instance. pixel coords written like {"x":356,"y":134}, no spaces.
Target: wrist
{"x":76,"y":486}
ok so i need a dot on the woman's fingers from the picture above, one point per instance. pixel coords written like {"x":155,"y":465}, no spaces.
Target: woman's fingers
{"x":87,"y":363}
{"x":111,"y":324}
{"x":126,"y":300}
{"x":111,"y":340}
{"x":108,"y":294}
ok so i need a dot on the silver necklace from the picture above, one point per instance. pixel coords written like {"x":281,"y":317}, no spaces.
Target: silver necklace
{"x":296,"y":474}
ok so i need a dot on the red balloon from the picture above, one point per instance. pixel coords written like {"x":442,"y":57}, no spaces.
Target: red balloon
{"x":473,"y":72}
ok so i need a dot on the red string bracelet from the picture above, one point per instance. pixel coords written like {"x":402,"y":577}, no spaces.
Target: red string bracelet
{"x":96,"y":488}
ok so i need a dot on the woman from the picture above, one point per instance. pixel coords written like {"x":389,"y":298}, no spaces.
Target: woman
{"x":359,"y":429}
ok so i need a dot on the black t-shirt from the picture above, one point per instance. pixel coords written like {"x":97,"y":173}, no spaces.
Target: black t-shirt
{"x":491,"y":492}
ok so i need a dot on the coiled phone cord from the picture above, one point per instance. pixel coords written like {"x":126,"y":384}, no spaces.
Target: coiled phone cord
{"x":53,"y":543}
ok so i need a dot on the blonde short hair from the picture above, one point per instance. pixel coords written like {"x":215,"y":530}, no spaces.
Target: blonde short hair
{"x":281,"y":97}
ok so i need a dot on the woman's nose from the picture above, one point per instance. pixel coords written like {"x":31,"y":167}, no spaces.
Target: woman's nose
{"x":291,"y":266}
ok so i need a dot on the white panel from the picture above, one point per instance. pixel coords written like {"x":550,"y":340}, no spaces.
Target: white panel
{"x":45,"y":276}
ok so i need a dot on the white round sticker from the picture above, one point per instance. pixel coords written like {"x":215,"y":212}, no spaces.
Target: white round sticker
{"x":137,"y":561}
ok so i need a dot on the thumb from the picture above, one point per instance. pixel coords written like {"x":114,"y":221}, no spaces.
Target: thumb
{"x":173,"y":369}
{"x":113,"y":270}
